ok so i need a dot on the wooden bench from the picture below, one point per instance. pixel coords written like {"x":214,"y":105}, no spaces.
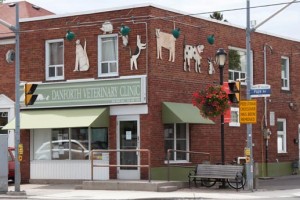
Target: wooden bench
{"x":211,"y":174}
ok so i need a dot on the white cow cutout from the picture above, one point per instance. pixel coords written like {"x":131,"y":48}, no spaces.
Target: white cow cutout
{"x":193,"y":52}
{"x":167,"y":41}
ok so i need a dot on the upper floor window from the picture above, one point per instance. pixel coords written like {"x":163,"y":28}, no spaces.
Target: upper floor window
{"x":108,"y":55}
{"x":55,"y":59}
{"x":237,"y":64}
{"x":285,"y":81}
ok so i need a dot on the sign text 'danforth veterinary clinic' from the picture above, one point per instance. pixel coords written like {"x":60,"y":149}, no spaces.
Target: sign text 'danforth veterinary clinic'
{"x":131,"y":90}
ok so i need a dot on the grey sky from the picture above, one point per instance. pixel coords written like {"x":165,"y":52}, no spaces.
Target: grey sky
{"x":286,"y":23}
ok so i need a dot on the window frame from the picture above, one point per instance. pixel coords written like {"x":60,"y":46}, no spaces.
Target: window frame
{"x":243,"y":81}
{"x":283,"y":135}
{"x":47,"y":61}
{"x":187,"y":137}
{"x":109,"y":74}
{"x":287,"y":78}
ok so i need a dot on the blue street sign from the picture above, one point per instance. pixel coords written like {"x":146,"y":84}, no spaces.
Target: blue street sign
{"x":260,"y":92}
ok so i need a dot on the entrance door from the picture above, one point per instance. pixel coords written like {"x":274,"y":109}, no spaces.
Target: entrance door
{"x":128,"y":138}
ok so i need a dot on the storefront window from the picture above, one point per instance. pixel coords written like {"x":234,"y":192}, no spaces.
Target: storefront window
{"x":99,"y":138}
{"x":61,"y":144}
{"x":79,"y":143}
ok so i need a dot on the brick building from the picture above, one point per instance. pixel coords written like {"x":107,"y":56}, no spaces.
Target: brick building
{"x":99,"y":91}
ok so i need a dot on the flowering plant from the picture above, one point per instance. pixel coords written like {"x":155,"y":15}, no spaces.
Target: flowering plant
{"x":211,"y":101}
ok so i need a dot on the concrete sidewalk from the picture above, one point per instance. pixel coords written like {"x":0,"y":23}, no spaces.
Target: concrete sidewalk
{"x":276,"y":188}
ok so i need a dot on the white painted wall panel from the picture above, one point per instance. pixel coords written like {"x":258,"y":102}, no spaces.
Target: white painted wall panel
{"x":67,"y":169}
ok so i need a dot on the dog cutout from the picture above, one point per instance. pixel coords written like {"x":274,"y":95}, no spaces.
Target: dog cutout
{"x":135,"y":56}
{"x":81,"y":59}
{"x":167,"y":41}
{"x":193,"y":52}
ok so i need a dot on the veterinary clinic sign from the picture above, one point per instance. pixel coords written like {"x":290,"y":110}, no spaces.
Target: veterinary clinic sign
{"x":247,"y":111}
{"x":129,"y":90}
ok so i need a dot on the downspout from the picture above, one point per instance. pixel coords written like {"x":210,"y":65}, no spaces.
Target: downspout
{"x":265,"y":105}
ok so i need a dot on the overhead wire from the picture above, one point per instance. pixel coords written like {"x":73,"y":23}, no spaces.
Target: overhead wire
{"x":148,"y":18}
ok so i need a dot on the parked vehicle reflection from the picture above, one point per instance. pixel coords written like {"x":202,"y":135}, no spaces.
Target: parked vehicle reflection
{"x":61,"y":150}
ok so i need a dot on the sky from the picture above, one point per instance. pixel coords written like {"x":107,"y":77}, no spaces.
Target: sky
{"x":285,"y":24}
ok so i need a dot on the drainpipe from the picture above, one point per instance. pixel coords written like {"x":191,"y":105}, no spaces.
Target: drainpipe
{"x":265,"y":104}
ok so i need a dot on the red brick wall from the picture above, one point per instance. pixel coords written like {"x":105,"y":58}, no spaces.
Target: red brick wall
{"x":167,"y":81}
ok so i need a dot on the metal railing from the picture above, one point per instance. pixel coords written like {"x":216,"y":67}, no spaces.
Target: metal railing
{"x":112,"y":165}
{"x":192,"y":152}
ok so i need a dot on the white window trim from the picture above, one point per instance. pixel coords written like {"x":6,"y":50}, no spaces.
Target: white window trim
{"x":251,"y":63}
{"x":47,"y":61}
{"x":287,"y":73}
{"x":187,"y":145}
{"x":282,"y":133}
{"x":237,"y":124}
{"x":100,"y":56}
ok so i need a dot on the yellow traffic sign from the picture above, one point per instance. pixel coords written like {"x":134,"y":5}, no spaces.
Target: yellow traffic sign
{"x":248,"y":111}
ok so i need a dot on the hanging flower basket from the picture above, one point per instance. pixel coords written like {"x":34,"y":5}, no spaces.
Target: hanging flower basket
{"x":211,"y":101}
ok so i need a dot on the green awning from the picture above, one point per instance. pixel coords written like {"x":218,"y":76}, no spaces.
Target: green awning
{"x":182,"y":113}
{"x":61,"y":118}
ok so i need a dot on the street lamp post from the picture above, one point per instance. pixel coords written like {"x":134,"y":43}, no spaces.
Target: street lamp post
{"x":220,"y":60}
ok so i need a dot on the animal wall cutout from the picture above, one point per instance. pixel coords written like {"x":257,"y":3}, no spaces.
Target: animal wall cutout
{"x":192,"y":52}
{"x":81,"y":59}
{"x":136,"y":54}
{"x":107,"y":27}
{"x":165,"y":40}
{"x":211,"y":69}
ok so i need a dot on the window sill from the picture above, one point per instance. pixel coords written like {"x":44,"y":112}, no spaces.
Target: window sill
{"x":177,"y":162}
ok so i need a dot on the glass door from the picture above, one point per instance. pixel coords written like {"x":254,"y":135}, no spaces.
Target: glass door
{"x":128,"y":138}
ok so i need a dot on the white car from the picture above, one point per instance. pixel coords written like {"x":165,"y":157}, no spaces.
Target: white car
{"x":60,"y":150}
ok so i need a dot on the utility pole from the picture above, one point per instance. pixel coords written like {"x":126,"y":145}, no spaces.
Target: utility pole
{"x":249,"y":166}
{"x":16,"y":30}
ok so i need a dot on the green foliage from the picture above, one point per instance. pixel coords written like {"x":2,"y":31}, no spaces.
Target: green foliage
{"x":234,"y":60}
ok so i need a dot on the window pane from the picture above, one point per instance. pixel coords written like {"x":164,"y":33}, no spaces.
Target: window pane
{"x":169,"y":131}
{"x":59,"y":71}
{"x":79,"y":144}
{"x":180,"y":131}
{"x":109,"y":49}
{"x":169,"y":144}
{"x":104,"y":68}
{"x":234,"y":60}
{"x":51,"y":71}
{"x":234,"y":116}
{"x":56,"y":53}
{"x":60,"y":144}
{"x":99,"y":138}
{"x":280,"y":146}
{"x":113,"y":67}
{"x":280,"y":126}
{"x":181,"y":145}
{"x":283,"y":68}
